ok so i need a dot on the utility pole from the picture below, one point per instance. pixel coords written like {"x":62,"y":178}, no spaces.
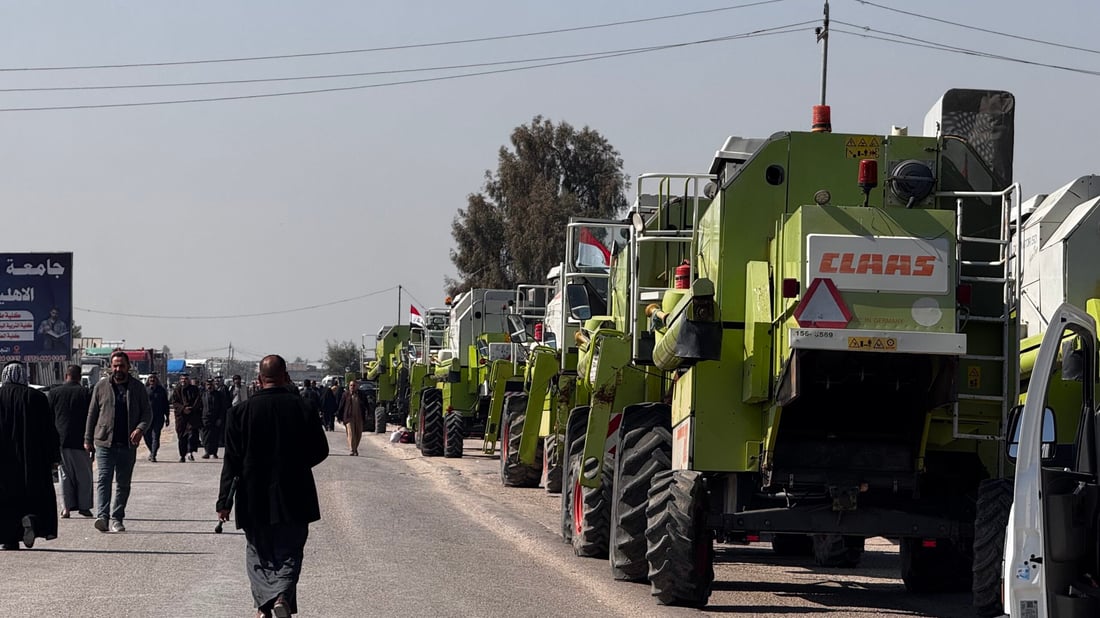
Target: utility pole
{"x":823,"y":38}
{"x":399,"y":304}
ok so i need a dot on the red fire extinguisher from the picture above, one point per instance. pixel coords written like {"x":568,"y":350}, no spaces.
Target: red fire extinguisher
{"x":683,"y":274}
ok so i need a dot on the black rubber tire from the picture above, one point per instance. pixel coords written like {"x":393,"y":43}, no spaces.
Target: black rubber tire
{"x":592,"y":512}
{"x":644,"y":449}
{"x":380,"y":418}
{"x":792,"y":545}
{"x":513,"y":472}
{"x":990,"y":520}
{"x":431,"y":420}
{"x":552,"y":469}
{"x":455,"y":432}
{"x":575,"y":428}
{"x":835,"y":550}
{"x":943,"y":568}
{"x":679,"y":546}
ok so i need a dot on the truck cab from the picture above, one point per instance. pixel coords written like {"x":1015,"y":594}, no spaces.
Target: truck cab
{"x":1052,"y":548}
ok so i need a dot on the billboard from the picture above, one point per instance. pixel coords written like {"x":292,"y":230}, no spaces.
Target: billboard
{"x":36,"y":306}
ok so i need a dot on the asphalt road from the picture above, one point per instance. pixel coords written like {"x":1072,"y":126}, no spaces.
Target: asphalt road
{"x":403,"y":535}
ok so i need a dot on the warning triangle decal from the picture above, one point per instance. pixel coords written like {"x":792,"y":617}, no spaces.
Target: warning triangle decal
{"x":822,"y":307}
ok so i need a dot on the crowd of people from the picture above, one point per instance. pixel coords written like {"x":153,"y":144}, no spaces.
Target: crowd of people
{"x":75,"y":426}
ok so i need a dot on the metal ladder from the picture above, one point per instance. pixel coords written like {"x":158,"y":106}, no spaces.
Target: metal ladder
{"x":1008,"y":262}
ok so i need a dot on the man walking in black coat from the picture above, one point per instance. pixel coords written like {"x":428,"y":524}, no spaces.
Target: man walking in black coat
{"x":158,"y":403}
{"x":214,"y":406}
{"x":70,"y":409}
{"x":272,"y":442}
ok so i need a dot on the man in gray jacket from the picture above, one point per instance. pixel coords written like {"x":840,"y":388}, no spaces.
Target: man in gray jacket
{"x":118,"y":416}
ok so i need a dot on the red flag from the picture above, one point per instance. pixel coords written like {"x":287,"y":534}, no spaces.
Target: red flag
{"x":414,"y":316}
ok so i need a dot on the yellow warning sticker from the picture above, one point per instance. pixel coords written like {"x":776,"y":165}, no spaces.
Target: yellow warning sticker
{"x":973,"y":377}
{"x":862,"y":147}
{"x":873,"y":344}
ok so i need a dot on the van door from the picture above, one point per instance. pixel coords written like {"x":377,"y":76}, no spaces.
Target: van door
{"x":1051,"y":560}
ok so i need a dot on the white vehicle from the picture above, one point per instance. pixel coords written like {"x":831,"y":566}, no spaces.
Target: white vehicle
{"x":1052,"y":546}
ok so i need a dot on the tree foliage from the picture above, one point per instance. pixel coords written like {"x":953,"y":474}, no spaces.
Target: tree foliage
{"x":340,"y":356}
{"x":514,"y":230}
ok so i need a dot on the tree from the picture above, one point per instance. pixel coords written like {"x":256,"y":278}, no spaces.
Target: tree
{"x":75,"y":330}
{"x":340,"y":356}
{"x":514,"y":230}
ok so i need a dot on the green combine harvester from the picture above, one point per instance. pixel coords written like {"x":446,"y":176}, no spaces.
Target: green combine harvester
{"x":818,"y":347}
{"x":476,"y":335}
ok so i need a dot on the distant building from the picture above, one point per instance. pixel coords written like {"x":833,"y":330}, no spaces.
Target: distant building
{"x":304,"y":371}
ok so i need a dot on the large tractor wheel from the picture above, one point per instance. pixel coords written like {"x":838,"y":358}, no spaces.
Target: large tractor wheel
{"x":679,"y":546}
{"x":994,"y":502}
{"x":573,"y":447}
{"x":835,"y":550}
{"x":792,"y":545}
{"x":513,"y":472}
{"x":431,"y":423}
{"x":552,"y":469}
{"x":946,"y":567}
{"x":380,"y":416}
{"x":644,"y":449}
{"x":592,"y":512}
{"x":455,"y":432}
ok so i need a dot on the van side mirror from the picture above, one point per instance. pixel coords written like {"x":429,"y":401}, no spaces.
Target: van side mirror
{"x":1049,"y":437}
{"x":577,"y":297}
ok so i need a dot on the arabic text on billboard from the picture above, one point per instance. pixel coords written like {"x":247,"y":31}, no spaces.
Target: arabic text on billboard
{"x":36,"y":306}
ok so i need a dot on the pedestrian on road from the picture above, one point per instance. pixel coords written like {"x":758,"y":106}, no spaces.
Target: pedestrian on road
{"x":330,"y":403}
{"x":117,"y":418}
{"x":353,"y":412}
{"x":237,"y":391}
{"x":70,"y":409}
{"x":272,"y":442}
{"x":29,"y":450}
{"x":214,"y":407}
{"x":187,"y":408}
{"x":158,"y":403}
{"x":312,"y":397}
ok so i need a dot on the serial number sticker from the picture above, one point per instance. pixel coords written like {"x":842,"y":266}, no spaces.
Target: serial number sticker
{"x":815,"y":333}
{"x":882,"y":344}
{"x":1029,"y":609}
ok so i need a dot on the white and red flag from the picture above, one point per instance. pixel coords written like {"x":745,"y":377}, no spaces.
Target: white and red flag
{"x":414,"y":317}
{"x":590,"y":251}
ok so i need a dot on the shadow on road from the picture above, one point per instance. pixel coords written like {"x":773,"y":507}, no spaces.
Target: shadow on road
{"x":136,"y":552}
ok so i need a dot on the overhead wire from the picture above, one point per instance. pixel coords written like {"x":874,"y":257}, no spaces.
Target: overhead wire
{"x":238,"y":315}
{"x":778,"y":30}
{"x":1018,"y":37}
{"x":394,"y":47}
{"x":903,"y":39}
{"x":345,"y":75}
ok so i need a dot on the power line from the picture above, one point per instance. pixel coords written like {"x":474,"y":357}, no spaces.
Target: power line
{"x":788,"y":29}
{"x":978,"y":29}
{"x":394,"y":47}
{"x":239,"y":315}
{"x":923,"y":43}
{"x":344,"y":75}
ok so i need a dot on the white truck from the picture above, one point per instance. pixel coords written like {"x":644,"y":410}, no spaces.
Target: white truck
{"x":1052,"y":541}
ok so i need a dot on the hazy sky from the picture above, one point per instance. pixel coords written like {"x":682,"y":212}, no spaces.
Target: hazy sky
{"x":262,"y":205}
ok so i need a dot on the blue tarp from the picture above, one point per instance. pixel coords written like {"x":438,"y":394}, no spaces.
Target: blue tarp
{"x":176,"y":365}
